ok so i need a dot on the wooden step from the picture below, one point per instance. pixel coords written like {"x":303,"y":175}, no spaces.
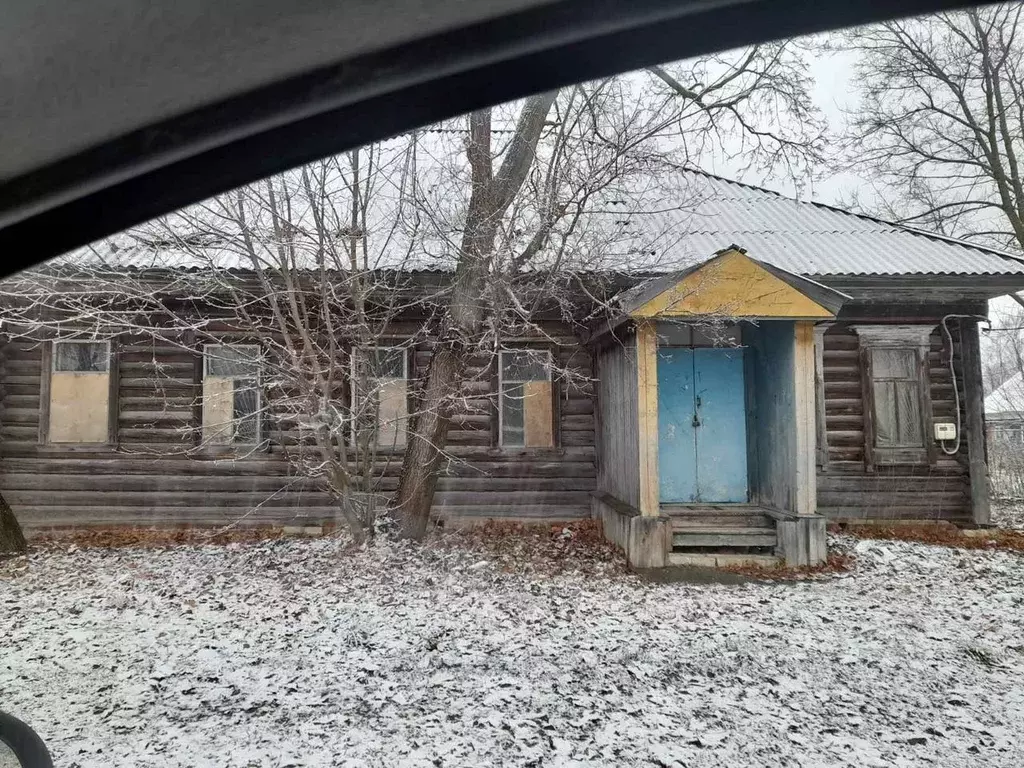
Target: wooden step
{"x":709,"y":509}
{"x":747,"y":520}
{"x":722,"y":536}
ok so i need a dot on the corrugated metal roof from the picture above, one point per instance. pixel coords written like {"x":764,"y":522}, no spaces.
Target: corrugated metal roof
{"x":813,"y":239}
{"x":667,"y":223}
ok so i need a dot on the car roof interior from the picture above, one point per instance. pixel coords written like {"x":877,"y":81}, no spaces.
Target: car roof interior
{"x":115,"y":111}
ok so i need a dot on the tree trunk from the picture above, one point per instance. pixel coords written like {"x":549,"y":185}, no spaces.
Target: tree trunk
{"x":461,"y":327}
{"x":426,"y":442}
{"x":12,"y":540}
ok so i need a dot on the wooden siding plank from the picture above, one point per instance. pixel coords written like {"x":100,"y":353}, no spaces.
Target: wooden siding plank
{"x":619,"y":461}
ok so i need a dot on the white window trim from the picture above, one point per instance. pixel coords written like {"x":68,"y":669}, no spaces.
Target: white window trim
{"x":404,"y":354}
{"x":53,"y":355}
{"x":259,"y":392}
{"x":895,"y":335}
{"x":501,"y":389}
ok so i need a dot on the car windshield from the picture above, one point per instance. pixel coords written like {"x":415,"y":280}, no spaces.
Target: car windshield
{"x":670,"y":419}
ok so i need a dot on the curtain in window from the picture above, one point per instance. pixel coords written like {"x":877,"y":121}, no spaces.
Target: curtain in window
{"x":897,"y":400}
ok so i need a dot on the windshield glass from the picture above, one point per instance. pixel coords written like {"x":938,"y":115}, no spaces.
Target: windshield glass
{"x":670,"y":419}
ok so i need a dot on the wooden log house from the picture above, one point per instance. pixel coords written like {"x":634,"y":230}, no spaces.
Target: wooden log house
{"x":807,"y":364}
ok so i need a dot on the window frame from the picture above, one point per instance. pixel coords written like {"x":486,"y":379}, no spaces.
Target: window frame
{"x":49,"y":360}
{"x":910,"y":338}
{"x":233,"y":443}
{"x":404,"y":353}
{"x":500,"y":381}
{"x":912,"y":381}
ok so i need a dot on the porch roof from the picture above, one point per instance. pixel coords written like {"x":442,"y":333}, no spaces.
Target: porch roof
{"x":732,"y":284}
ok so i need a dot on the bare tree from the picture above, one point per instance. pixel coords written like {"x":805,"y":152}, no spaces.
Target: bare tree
{"x":753,"y":106}
{"x":492,"y":194}
{"x":940,"y":122}
{"x":285,"y":287}
{"x":535,"y":200}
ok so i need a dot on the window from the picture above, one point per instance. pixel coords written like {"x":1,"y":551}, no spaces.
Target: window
{"x":79,"y":396}
{"x":894,"y":359}
{"x":231,"y":395}
{"x":385,"y":408}
{"x":895,"y":391}
{"x":526,"y":405}
{"x":81,"y":357}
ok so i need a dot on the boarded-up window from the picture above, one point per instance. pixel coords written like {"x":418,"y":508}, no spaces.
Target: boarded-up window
{"x":231,"y":395}
{"x":80,"y":392}
{"x":384,"y":406}
{"x":526,"y":401}
{"x":896,"y":395}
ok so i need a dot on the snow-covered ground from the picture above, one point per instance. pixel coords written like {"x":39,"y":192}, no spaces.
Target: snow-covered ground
{"x":294,"y":653}
{"x":1008,"y":514}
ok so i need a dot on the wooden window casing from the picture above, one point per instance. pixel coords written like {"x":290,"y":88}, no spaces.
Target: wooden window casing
{"x":895,"y":374}
{"x":897,"y":395}
{"x":79,"y":394}
{"x":527,"y":413}
{"x":389,"y":382}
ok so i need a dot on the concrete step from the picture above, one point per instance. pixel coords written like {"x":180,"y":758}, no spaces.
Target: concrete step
{"x":722,"y":560}
{"x":722,"y":536}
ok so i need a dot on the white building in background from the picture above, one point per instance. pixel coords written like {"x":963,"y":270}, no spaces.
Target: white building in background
{"x":1004,"y":411}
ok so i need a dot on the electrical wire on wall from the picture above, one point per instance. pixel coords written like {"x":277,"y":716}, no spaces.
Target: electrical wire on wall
{"x":952,"y":375}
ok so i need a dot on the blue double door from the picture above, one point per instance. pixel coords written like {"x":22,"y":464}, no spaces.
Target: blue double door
{"x":702,"y":425}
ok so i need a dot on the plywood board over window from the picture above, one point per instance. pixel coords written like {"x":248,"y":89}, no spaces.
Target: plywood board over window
{"x":526,"y":398}
{"x":231,"y":395}
{"x":79,"y":392}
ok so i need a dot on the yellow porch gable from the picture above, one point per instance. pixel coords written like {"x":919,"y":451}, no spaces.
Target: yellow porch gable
{"x":732,"y":285}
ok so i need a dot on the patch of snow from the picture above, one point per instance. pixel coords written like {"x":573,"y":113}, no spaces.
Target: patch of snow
{"x":297,"y":653}
{"x":1008,"y":514}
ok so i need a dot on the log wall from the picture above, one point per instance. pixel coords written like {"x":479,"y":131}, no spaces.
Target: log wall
{"x":153,"y":474}
{"x":847,"y":488}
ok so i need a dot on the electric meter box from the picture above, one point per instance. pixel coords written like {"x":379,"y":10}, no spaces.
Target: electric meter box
{"x":945,"y":430}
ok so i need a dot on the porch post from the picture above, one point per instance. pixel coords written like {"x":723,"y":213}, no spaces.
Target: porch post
{"x":805,"y":418}
{"x":647,"y":416}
